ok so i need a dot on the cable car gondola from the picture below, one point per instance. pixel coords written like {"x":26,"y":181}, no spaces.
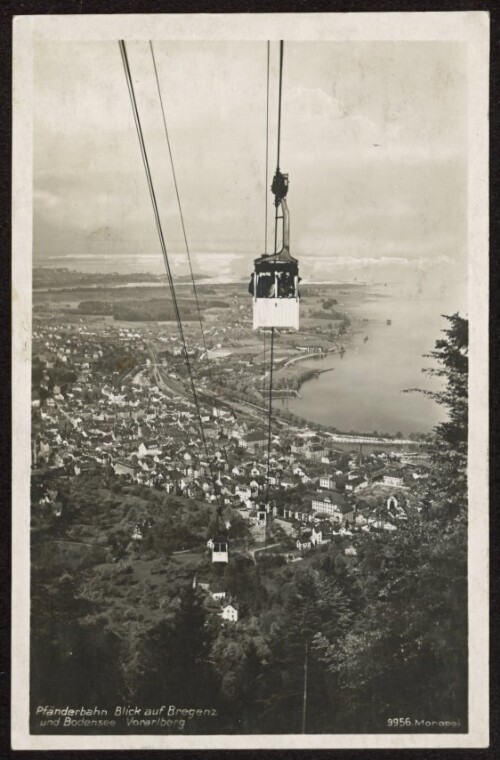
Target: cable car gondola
{"x":219,"y":543}
{"x":220,"y":549}
{"x":275,"y":279}
{"x":274,"y":284}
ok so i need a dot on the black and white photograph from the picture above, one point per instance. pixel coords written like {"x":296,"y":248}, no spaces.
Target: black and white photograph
{"x":250,"y":448}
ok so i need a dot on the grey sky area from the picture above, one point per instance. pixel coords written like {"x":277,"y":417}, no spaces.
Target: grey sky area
{"x":374,"y":138}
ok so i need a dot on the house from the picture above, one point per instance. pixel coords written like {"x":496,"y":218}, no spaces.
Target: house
{"x":393,"y":478}
{"x":273,"y":479}
{"x":327,"y":481}
{"x":144,"y":451}
{"x":322,"y":533}
{"x":347,"y":513}
{"x":137,"y":533}
{"x":328,"y":502}
{"x":381,"y":524}
{"x":255,"y":440}
{"x":335,"y":505}
{"x":357,"y":484}
{"x":316,"y":452}
{"x":304,"y":541}
{"x":230,"y":612}
{"x":217,"y":594}
{"x":169,"y":485}
{"x":124,"y":468}
{"x":244,"y":492}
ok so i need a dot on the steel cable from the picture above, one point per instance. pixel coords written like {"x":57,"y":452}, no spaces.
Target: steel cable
{"x":154,"y":203}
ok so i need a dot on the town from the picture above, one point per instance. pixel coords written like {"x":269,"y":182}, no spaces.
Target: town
{"x":112,"y":396}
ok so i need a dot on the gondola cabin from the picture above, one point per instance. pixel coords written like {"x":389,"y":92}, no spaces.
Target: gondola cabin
{"x":275,"y":284}
{"x":276,"y":292}
{"x":220,"y":549}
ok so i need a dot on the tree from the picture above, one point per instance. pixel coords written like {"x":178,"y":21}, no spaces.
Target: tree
{"x":314,"y":604}
{"x":239,"y":655}
{"x":174,"y":654}
{"x":242,"y":581}
{"x":74,"y":656}
{"x":449,"y":453}
{"x":407,"y":652}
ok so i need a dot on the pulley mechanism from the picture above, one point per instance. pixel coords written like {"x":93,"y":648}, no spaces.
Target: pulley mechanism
{"x":279,"y":188}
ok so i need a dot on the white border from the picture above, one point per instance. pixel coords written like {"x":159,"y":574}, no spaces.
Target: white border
{"x":470,"y":27}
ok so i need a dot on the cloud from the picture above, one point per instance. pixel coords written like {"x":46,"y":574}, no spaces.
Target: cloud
{"x":314,"y":103}
{"x":374,"y":139}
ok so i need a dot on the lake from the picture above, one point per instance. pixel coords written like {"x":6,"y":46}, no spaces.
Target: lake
{"x":364,"y":391}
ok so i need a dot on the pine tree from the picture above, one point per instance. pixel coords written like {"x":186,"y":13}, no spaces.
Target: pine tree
{"x":173,"y":656}
{"x":449,"y":454}
{"x":315,"y":605}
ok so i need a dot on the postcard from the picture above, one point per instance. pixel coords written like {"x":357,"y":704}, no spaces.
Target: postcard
{"x":250,"y":296}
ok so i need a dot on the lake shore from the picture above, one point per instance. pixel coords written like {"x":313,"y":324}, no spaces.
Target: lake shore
{"x":382,"y":357}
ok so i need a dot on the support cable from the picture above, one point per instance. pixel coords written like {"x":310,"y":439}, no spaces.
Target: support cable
{"x":195,"y":291}
{"x":279,"y":106}
{"x":269,"y":429}
{"x":266,"y":203}
{"x":178,"y":199}
{"x":304,"y":698}
{"x":270,"y":410}
{"x":154,"y":204}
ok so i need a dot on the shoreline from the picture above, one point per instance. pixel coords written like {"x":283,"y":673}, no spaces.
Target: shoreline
{"x":317,"y":373}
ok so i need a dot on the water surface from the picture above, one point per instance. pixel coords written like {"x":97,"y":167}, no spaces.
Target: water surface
{"x":364,"y":392}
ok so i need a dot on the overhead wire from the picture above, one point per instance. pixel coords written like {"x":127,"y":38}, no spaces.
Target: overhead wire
{"x":279,"y":105}
{"x":267,"y":148}
{"x":266,"y":203}
{"x":181,"y":214}
{"x":178,"y":197}
{"x":270,"y":411}
{"x":154,"y":203}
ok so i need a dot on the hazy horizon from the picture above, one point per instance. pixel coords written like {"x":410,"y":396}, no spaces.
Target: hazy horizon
{"x":374,"y":139}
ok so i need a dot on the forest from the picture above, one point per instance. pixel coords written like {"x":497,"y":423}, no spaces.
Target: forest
{"x":382,"y":634}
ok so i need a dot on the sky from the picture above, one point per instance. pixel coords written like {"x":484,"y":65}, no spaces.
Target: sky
{"x":374,"y":138}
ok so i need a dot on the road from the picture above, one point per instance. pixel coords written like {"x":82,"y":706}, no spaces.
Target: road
{"x":253,"y":552}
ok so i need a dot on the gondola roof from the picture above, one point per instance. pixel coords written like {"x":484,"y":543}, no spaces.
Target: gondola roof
{"x":282,"y":257}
